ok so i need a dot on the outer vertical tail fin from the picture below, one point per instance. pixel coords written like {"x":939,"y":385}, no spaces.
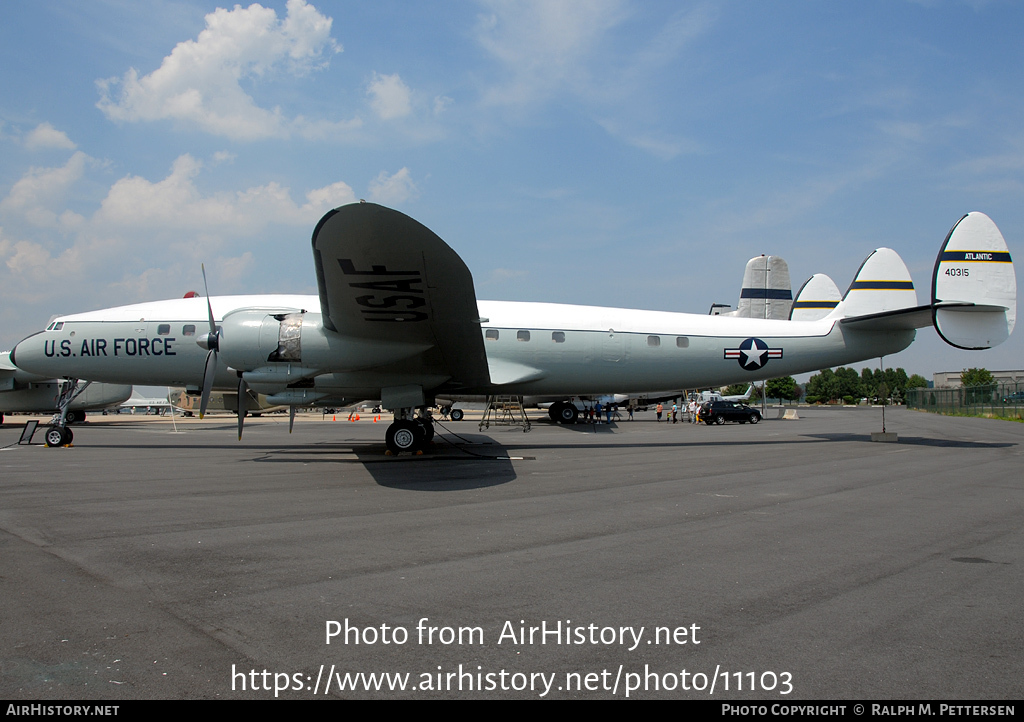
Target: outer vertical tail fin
{"x":815,"y":299}
{"x":974,"y":289}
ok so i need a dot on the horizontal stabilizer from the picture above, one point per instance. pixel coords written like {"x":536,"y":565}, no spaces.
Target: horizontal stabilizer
{"x":974,"y":288}
{"x":815,"y":299}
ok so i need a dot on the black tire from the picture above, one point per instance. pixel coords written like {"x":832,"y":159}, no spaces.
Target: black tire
{"x":719,"y":419}
{"x":402,"y":436}
{"x":754,"y":418}
{"x":57,"y":436}
{"x":457,"y":414}
{"x":564,"y":412}
{"x":74,"y":417}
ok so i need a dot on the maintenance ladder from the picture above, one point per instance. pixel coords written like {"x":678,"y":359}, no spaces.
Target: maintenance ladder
{"x":505,"y":411}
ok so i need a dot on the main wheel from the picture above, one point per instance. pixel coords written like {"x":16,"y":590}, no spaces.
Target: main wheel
{"x":402,"y":436}
{"x":457,"y":414}
{"x":719,"y":419}
{"x":564,"y":412}
{"x":754,"y":418}
{"x":57,"y":436}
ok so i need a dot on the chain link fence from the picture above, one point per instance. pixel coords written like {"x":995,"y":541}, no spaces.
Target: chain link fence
{"x":1005,"y":400}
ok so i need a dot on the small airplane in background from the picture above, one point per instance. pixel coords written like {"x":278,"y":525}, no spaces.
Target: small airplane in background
{"x":22,"y":392}
{"x":396,"y":318}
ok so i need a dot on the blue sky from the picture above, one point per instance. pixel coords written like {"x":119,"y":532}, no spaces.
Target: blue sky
{"x":588,"y":151}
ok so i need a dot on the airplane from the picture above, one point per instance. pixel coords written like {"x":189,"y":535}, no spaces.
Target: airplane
{"x":140,"y":402}
{"x":396,"y":318}
{"x":188,"y":403}
{"x":24,"y":392}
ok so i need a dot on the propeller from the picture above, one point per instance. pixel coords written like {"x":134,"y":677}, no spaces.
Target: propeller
{"x":243,"y":393}
{"x":291,"y":418}
{"x":211,"y":342}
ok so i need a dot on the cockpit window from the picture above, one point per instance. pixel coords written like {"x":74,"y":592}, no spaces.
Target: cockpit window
{"x":58,"y":326}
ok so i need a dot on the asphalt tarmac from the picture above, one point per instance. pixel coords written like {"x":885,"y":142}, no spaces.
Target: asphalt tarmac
{"x":791,"y":560}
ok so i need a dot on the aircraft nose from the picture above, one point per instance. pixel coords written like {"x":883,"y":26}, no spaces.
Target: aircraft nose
{"x":27,"y":354}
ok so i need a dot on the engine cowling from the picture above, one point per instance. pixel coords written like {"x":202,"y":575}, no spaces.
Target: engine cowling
{"x":286,"y":345}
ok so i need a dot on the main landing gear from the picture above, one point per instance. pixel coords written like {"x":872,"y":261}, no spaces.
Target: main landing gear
{"x":409,"y":433}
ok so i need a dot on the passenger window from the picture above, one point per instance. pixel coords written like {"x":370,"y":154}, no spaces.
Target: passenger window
{"x":522,"y":335}
{"x":188,"y":329}
{"x":492,"y":334}
{"x":558,"y":336}
{"x":682,"y":342}
{"x":654,"y":341}
{"x":163,"y":329}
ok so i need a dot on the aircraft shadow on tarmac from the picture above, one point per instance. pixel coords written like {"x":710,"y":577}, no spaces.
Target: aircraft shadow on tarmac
{"x":919,"y":441}
{"x":450,"y":463}
{"x":585,"y":428}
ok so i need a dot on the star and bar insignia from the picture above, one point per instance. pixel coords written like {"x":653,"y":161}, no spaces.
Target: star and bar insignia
{"x":753,"y":354}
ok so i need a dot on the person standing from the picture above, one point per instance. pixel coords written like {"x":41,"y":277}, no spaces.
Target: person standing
{"x":660,"y":409}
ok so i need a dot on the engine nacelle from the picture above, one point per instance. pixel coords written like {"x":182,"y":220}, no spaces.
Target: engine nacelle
{"x":287,"y":345}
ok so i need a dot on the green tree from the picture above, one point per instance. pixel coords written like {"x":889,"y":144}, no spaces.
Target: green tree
{"x":917,"y":381}
{"x":849,"y":383}
{"x":976,"y":377}
{"x":823,"y":386}
{"x":979,"y":385}
{"x":783,"y":388}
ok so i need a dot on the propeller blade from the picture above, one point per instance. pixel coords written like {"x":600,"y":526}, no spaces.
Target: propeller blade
{"x":291,"y":418}
{"x":209,"y":306}
{"x":242,"y":405}
{"x":208,"y":374}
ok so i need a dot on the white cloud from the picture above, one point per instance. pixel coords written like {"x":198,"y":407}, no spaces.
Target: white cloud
{"x":45,"y":135}
{"x":441,"y":102}
{"x":543,"y":44}
{"x":176,"y":203}
{"x":35,"y":194}
{"x":145,"y":236}
{"x":390,"y":98}
{"x":393,"y":189}
{"x":199,"y":83}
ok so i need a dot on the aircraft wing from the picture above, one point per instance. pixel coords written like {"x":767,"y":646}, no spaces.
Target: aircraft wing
{"x":384,"y":276}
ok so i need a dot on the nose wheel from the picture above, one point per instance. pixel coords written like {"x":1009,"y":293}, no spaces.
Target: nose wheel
{"x":59,"y":436}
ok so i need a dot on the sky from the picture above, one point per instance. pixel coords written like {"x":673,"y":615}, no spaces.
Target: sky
{"x":604,"y":152}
